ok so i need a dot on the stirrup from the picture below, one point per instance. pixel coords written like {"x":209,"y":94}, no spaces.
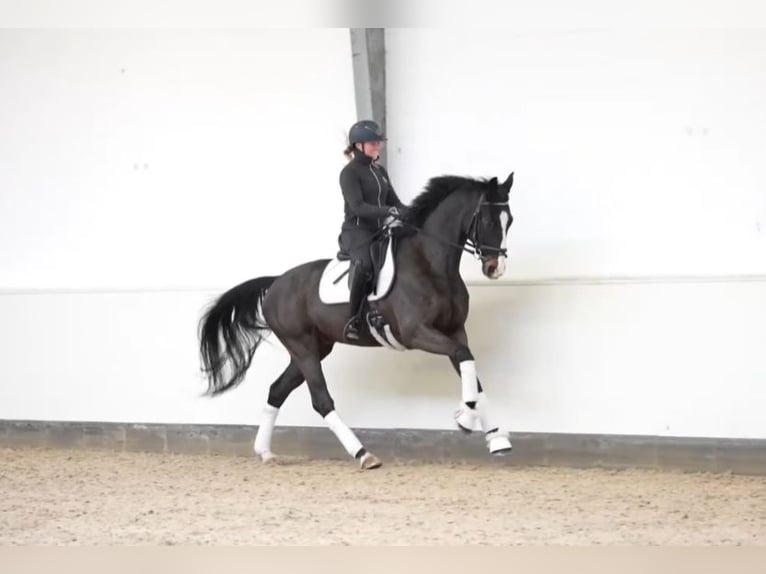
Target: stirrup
{"x":351,"y":330}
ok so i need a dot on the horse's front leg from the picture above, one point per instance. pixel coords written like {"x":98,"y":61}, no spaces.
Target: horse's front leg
{"x":498,"y":440}
{"x":431,"y":340}
{"x":474,"y":404}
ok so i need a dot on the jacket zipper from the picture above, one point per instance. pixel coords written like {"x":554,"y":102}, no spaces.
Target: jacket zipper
{"x":380,"y":189}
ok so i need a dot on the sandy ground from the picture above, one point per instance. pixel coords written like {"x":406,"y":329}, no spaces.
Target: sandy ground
{"x":79,"y":497}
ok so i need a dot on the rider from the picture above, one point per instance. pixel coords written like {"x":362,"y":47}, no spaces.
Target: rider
{"x":370,"y":203}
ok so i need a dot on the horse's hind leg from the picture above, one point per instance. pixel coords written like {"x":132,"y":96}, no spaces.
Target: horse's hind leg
{"x":280,"y":389}
{"x":306,"y":353}
{"x":286,"y":383}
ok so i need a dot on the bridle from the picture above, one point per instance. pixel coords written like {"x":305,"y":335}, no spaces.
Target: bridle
{"x":473,"y":244}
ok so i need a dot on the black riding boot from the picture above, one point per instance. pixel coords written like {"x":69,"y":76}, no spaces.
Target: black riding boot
{"x":359,"y":282}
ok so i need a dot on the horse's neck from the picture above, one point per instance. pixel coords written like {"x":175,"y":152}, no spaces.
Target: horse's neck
{"x":444,"y":232}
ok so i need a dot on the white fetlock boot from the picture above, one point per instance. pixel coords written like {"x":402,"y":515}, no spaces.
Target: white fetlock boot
{"x":262,"y":443}
{"x":466,"y":418}
{"x":498,"y":442}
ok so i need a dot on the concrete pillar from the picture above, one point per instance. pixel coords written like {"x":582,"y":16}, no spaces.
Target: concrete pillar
{"x":368,"y":52}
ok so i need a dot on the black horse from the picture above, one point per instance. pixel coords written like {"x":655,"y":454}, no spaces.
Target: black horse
{"x":425,"y":308}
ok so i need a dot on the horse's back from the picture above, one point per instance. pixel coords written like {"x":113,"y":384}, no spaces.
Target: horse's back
{"x":298,"y":282}
{"x":290,"y":307}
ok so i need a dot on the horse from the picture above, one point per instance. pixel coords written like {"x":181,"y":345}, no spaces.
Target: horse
{"x":425,"y":308}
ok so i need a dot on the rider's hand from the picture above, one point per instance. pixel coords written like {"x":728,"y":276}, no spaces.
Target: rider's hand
{"x":392,"y":220}
{"x":400,"y":213}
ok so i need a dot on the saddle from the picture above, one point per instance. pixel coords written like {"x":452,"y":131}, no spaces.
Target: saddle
{"x":333,"y":289}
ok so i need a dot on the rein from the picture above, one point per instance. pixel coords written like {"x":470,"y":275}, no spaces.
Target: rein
{"x":471,"y":245}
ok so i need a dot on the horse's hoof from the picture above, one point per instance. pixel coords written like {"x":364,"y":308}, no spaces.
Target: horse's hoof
{"x":267,"y":457}
{"x":499,"y":445}
{"x":466,"y":419}
{"x":370,"y":461}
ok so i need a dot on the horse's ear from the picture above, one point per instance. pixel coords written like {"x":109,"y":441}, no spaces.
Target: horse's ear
{"x":492,"y":182}
{"x":508,"y":182}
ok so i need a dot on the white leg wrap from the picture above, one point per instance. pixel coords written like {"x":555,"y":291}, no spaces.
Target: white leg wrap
{"x":498,"y":441}
{"x":470,"y":383}
{"x":262,"y":444}
{"x":345,"y":435}
{"x":488,"y":423}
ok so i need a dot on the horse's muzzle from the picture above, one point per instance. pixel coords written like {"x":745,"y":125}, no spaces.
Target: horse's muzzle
{"x":493,"y":267}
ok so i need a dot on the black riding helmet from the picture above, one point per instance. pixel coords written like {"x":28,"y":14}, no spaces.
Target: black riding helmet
{"x":365,"y":131}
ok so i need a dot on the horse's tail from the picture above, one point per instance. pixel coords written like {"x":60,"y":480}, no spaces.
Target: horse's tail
{"x":230,"y":332}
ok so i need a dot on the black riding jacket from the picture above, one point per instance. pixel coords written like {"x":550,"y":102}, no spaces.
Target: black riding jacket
{"x":367,"y":192}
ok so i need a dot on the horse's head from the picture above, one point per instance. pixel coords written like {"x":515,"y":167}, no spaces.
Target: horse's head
{"x":480,"y":206}
{"x":488,"y":228}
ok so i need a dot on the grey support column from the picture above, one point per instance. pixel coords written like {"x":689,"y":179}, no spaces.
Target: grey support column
{"x":368,"y":51}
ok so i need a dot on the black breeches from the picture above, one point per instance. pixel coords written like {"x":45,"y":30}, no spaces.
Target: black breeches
{"x":357,"y":243}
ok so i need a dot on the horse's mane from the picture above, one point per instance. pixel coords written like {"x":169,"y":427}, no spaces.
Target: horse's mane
{"x":437,"y":190}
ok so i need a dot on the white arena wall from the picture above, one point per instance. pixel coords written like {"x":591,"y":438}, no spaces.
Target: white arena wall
{"x":144,"y":172}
